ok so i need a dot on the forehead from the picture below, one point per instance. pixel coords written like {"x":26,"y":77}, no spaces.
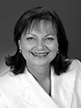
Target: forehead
{"x":42,"y":26}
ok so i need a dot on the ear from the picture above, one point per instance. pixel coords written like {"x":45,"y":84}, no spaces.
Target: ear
{"x":19,"y":43}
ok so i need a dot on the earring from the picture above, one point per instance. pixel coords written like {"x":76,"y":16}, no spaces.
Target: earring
{"x":57,"y":51}
{"x":20,"y":51}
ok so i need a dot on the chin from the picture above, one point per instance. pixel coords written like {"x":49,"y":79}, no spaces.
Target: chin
{"x":40,"y":63}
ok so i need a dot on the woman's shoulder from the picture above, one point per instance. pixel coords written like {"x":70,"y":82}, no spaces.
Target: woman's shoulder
{"x":74,"y":69}
{"x":6,"y":75}
{"x":75,"y":64}
{"x":8,"y":78}
{"x":10,"y":82}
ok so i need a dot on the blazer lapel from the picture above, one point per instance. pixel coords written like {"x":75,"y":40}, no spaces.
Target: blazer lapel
{"x":33,"y":94}
{"x":25,"y":94}
{"x":63,"y":88}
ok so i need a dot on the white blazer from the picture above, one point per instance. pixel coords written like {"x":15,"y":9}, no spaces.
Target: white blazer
{"x":23,"y":91}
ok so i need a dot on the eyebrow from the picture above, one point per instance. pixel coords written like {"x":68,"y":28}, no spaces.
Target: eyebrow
{"x":49,"y":34}
{"x":31,"y":34}
{"x":44,"y":36}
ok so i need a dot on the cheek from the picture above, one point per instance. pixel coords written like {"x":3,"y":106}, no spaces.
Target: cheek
{"x":25,"y":50}
{"x":53,"y":47}
{"x":53,"y":54}
{"x":53,"y":50}
{"x":25,"y":47}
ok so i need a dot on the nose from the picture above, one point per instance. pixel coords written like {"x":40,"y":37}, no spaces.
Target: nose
{"x":40,"y":45}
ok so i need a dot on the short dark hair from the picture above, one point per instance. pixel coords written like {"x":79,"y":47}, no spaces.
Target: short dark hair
{"x":61,"y":62}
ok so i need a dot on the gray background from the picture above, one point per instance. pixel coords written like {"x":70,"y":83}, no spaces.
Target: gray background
{"x":68,"y":10}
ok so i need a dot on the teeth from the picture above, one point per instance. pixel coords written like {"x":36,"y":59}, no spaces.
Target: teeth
{"x":40,"y":54}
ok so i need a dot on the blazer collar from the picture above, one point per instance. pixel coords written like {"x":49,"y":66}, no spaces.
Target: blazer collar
{"x":33,"y":94}
{"x":63,"y":87}
{"x":27,"y":79}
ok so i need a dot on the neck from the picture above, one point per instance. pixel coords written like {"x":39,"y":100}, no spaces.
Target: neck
{"x":41,"y":73}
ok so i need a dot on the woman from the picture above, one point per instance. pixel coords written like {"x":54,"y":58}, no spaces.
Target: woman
{"x":41,"y":74}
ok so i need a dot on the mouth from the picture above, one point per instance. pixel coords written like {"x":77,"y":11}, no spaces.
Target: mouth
{"x":44,"y":54}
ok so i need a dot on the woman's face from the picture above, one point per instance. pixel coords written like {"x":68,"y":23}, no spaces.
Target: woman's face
{"x":39,"y":45}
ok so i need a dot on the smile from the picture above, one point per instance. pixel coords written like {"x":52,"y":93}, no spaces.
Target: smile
{"x":40,"y":54}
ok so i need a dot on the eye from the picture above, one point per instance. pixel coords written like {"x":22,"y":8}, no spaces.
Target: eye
{"x":49,"y":39}
{"x":30,"y":38}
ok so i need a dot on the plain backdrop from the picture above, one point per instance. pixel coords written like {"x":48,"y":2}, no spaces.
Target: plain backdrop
{"x":69,"y":12}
